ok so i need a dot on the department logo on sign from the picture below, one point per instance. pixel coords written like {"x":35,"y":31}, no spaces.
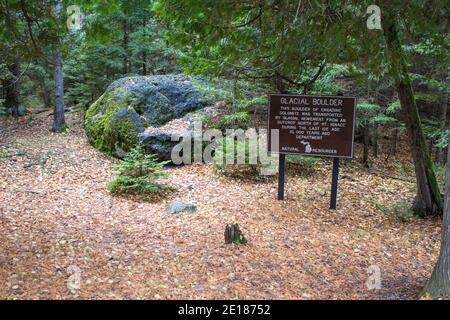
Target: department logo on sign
{"x":308,"y":148}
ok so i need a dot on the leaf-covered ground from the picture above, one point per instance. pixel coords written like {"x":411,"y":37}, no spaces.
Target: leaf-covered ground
{"x":55,"y":212}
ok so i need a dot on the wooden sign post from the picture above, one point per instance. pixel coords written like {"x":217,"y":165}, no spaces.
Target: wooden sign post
{"x":281,"y":172}
{"x":334,"y":183}
{"x":312,"y":126}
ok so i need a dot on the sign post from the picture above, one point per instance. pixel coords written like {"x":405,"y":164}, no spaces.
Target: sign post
{"x":334,"y":183}
{"x":281,"y":171}
{"x":312,"y":126}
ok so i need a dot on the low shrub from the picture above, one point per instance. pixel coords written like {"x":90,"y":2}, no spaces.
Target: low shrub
{"x":299,"y":164}
{"x":245,"y":163}
{"x":237,"y":120}
{"x":5,"y":112}
{"x":401,"y":210}
{"x":139,"y":172}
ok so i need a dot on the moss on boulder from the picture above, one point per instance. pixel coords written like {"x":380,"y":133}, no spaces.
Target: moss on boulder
{"x":116,"y":120}
{"x":111,"y":127}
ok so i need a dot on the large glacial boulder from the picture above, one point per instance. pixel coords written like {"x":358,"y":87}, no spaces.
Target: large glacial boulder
{"x":119,"y":118}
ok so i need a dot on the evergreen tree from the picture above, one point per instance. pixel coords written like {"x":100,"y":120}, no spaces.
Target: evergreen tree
{"x":278,"y":40}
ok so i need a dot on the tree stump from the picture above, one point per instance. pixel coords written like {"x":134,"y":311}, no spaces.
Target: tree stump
{"x":233,"y":234}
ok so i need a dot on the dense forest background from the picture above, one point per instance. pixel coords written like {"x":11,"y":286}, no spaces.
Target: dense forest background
{"x":118,"y":39}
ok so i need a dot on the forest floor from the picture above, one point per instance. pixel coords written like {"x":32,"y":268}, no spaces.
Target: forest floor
{"x":56,"y":217}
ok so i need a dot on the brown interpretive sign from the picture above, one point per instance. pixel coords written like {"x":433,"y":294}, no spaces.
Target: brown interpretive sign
{"x":313,"y":125}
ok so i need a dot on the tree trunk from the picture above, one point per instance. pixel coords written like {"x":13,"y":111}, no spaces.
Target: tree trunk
{"x":428,"y":199}
{"x":366,"y":138}
{"x":125,"y":44}
{"x":59,"y":123}
{"x":144,"y":63}
{"x":144,"y":52}
{"x":394,"y":141}
{"x":46,"y":97}
{"x":280,"y":85}
{"x":439,"y":283}
{"x":375,"y":141}
{"x":233,"y":234}
{"x":12,"y":102}
{"x":440,"y":156}
{"x":45,"y":94}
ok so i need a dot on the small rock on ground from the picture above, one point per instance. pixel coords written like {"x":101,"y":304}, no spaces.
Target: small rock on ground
{"x":179,"y":207}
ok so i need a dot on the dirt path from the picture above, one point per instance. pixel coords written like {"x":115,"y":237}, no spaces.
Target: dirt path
{"x":56,"y":213}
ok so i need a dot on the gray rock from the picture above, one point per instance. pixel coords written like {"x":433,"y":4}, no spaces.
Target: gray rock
{"x":159,"y":143}
{"x":124,"y":128}
{"x":159,"y":98}
{"x":116,"y":121}
{"x":179,"y":207}
{"x":128,"y":114}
